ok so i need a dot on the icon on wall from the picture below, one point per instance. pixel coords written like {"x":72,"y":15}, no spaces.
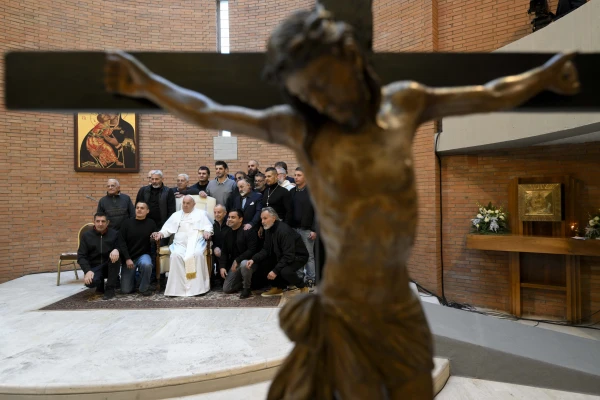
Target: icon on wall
{"x":540,"y":202}
{"x":106,"y":141}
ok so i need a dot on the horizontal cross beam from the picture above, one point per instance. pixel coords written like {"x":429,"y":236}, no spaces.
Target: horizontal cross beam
{"x":73,"y":81}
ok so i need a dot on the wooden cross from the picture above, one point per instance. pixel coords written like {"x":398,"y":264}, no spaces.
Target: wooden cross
{"x":73,"y":81}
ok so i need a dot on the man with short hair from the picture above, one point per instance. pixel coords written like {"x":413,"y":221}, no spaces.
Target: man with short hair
{"x":282,"y":164}
{"x":183,"y":186}
{"x":238,"y":246}
{"x":303,"y":221}
{"x":203,"y":177}
{"x":150,"y":176}
{"x":289,"y":250}
{"x":281,"y":179}
{"x":220,"y":229}
{"x":260,"y":183}
{"x":116,"y":205}
{"x":134,"y":242}
{"x":252,"y":171}
{"x":98,"y":257}
{"x":249,"y":202}
{"x":221,"y":187}
{"x":277,"y":197}
{"x":159,"y":198}
{"x":188,"y":272}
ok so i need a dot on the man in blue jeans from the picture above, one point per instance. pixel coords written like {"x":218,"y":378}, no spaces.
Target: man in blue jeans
{"x":134,"y":242}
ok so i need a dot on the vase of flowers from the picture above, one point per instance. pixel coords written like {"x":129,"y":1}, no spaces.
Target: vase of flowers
{"x":592,"y":230}
{"x":490,"y":220}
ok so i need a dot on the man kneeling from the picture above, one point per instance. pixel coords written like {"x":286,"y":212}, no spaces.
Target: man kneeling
{"x":188,"y":274}
{"x":134,"y":241}
{"x":238,"y":246}
{"x":98,"y":256}
{"x":289,"y":250}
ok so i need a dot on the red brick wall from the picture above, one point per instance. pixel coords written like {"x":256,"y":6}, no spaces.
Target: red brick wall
{"x":43,"y":203}
{"x":481,"y":277}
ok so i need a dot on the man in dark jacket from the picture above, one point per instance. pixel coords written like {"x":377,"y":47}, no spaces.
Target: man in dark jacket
{"x":303,"y":222}
{"x":239,"y":246}
{"x":98,"y":257}
{"x":277,"y":197}
{"x":249,"y":202}
{"x":116,"y":205}
{"x":161,"y":202}
{"x":220,"y":229}
{"x":159,"y":198}
{"x":290,"y":254}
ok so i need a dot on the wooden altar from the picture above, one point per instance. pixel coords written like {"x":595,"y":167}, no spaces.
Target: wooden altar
{"x":542,"y":255}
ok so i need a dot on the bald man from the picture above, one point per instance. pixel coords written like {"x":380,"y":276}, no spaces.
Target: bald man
{"x":116,"y":205}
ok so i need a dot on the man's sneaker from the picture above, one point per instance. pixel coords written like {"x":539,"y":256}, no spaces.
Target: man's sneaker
{"x":147,"y":293}
{"x":273,"y":292}
{"x":310,"y":283}
{"x":109,"y":294}
{"x":245,"y":293}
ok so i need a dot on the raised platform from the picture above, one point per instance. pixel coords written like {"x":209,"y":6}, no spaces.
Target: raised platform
{"x":132,"y":354}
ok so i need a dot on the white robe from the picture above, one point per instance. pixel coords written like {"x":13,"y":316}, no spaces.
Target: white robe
{"x":183,"y":226}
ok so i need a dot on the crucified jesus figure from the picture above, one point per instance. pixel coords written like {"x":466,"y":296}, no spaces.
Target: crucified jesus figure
{"x":364,"y":334}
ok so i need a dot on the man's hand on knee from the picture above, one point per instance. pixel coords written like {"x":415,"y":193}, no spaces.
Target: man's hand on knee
{"x":223,"y":272}
{"x":234,"y":266}
{"x":114,"y":256}
{"x":88,"y":278}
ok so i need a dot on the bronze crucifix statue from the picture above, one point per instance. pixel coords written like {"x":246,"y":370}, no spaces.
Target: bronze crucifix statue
{"x":364,"y":334}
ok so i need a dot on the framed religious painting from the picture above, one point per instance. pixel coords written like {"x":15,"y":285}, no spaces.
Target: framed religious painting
{"x":540,"y":202}
{"x":106,"y":142}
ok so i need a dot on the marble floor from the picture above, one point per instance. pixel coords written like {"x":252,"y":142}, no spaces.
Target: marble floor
{"x":458,"y":388}
{"x":65,"y":350}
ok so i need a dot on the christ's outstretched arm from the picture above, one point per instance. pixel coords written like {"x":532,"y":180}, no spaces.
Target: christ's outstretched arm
{"x":127,"y":76}
{"x":557,"y":75}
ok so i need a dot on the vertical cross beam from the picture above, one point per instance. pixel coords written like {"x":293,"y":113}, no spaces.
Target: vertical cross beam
{"x":357,"y":13}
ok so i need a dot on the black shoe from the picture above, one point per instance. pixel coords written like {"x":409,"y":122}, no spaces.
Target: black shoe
{"x":245,"y":293}
{"x":109,"y":294}
{"x":310,"y":283}
{"x":147,"y":293}
{"x":100,"y":288}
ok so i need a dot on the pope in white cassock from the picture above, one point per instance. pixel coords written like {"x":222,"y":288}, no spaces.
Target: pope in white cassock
{"x":188,"y":274}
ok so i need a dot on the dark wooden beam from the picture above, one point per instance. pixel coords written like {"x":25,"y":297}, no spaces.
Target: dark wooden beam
{"x":73,"y":81}
{"x":357,"y":13}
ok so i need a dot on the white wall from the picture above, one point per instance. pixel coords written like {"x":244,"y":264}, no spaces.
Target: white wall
{"x":577,"y":31}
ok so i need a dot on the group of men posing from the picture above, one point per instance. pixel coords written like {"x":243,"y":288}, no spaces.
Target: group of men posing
{"x":263,"y":233}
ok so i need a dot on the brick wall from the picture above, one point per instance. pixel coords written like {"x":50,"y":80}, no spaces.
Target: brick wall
{"x":43,"y":203}
{"x":481,"y":277}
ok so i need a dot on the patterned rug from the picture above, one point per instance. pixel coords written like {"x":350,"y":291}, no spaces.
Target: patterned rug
{"x":89,"y":300}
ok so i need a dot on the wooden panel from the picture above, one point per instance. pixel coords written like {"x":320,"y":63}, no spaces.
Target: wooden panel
{"x":534,"y":244}
{"x":515,"y":283}
{"x":73,"y":81}
{"x":544,"y":269}
{"x":544,"y":287}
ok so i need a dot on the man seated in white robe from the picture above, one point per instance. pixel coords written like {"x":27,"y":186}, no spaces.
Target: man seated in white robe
{"x":188,"y":274}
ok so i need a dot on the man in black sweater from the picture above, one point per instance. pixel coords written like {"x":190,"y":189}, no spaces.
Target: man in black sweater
{"x":116,"y":205}
{"x":98,"y":257}
{"x":203,"y":178}
{"x":303,"y":222}
{"x":239,"y":246}
{"x":289,"y":251}
{"x":134,"y":242}
{"x":277,"y":197}
{"x":220,"y":229}
{"x":159,"y":198}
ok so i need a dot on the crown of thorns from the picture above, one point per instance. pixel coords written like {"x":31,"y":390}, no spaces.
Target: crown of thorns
{"x":302,"y":37}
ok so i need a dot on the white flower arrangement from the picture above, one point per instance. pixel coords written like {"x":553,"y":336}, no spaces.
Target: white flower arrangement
{"x":592,"y":230}
{"x":490,"y":220}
